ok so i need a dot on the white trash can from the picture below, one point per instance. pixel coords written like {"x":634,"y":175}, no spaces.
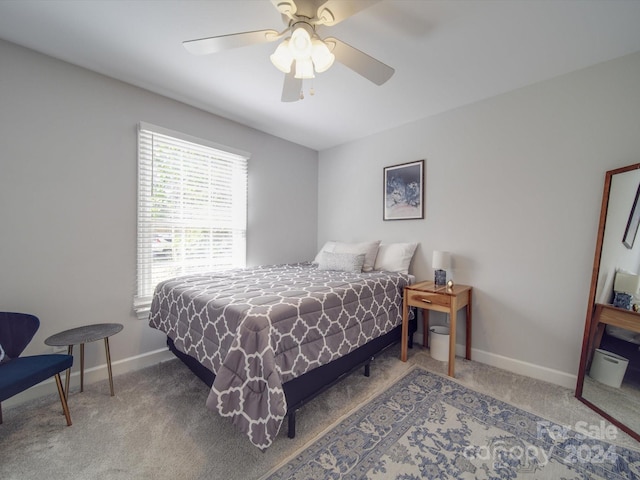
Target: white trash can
{"x":439,"y":343}
{"x":608,"y":368}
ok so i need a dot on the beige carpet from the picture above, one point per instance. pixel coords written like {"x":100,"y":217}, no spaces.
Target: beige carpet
{"x":157,"y":427}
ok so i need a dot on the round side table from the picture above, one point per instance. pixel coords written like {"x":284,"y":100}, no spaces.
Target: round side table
{"x":82,"y":335}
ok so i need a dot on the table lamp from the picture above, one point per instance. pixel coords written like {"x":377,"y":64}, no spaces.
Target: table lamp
{"x":625,"y":287}
{"x":626,"y":282}
{"x":441,"y":262}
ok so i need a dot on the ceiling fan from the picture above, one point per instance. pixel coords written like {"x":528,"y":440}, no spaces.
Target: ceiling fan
{"x":303,"y":53}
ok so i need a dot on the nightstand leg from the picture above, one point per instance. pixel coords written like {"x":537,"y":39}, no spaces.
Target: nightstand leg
{"x":452,"y":340}
{"x":468,"y":339}
{"x":405,"y":328}
{"x":425,"y":328}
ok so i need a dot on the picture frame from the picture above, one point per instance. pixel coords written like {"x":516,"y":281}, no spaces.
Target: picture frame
{"x":403,"y":191}
{"x":632,"y":224}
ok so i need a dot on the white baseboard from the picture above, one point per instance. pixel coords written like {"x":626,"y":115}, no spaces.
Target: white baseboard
{"x":515,"y":366}
{"x":524,"y":368}
{"x":96,"y":374}
{"x":92,"y":375}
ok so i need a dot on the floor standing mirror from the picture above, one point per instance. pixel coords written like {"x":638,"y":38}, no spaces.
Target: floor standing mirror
{"x":609,"y":374}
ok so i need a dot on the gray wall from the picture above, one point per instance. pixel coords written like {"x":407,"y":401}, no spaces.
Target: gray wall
{"x":68,"y":196}
{"x":513,"y":183}
{"x":513,"y":190}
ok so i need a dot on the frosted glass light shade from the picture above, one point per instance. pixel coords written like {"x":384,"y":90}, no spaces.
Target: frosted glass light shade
{"x":300,"y":44}
{"x":304,"y":68}
{"x":321,"y":56}
{"x":305,"y":48}
{"x":282,"y":58}
{"x":441,"y":260}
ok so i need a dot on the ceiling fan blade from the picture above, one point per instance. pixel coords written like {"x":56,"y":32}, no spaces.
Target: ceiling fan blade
{"x":292,"y":87}
{"x":286,"y":7}
{"x":358,"y":61}
{"x":332,"y":12}
{"x":205,"y":46}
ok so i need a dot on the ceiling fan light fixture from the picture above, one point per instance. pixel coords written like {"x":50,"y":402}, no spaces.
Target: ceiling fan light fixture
{"x":304,"y":69}
{"x":282,"y":58}
{"x":310,"y":53}
{"x":302,"y":46}
{"x":321,"y":56}
{"x":300,"y":43}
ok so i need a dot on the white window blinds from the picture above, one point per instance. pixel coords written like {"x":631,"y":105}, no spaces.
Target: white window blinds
{"x":192,"y":208}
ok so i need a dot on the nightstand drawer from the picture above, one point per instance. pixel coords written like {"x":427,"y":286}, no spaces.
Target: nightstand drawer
{"x":418,"y":299}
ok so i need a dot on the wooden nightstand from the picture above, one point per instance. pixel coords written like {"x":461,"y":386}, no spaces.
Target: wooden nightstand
{"x":428,"y":296}
{"x":604,"y":315}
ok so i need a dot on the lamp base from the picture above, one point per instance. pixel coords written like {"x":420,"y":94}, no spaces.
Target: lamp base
{"x":441,"y":277}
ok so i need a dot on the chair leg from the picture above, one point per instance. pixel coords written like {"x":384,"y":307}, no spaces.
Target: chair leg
{"x":63,"y":399}
{"x":0,"y":414}
{"x":68,"y":374}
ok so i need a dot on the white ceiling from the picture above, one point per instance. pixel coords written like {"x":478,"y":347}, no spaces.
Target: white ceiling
{"x":446,"y":54}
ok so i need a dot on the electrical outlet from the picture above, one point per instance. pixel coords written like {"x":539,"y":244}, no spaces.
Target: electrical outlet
{"x":59,"y":349}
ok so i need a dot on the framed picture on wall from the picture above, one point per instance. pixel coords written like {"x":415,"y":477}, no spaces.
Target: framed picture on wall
{"x":632,"y":225}
{"x":403,"y":196}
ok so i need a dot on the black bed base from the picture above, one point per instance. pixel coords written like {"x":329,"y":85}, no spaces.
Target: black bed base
{"x":302,"y":389}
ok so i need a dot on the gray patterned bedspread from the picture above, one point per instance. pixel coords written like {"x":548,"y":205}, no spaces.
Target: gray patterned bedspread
{"x":259,"y":327}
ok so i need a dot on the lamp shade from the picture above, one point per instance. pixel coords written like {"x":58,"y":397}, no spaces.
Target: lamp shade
{"x":441,"y":260}
{"x":626,"y":282}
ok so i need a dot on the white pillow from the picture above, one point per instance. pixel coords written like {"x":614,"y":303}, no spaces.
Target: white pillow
{"x":327,"y":247}
{"x":395,"y":257}
{"x":343,"y":262}
{"x":370,"y":250}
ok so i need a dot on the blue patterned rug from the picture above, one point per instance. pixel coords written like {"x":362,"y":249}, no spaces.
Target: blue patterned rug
{"x":428,"y":426}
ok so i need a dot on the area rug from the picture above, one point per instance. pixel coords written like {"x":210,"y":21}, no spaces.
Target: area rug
{"x":429,"y":426}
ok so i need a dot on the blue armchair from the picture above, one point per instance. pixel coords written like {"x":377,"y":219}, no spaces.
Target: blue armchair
{"x":19,"y":373}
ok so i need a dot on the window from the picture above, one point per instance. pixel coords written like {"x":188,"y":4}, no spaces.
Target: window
{"x":192,"y":208}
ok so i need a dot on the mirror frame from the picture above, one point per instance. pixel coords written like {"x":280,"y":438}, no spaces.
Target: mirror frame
{"x":592,"y":296}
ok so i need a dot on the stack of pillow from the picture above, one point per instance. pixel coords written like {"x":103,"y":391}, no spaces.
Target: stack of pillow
{"x":365,"y":256}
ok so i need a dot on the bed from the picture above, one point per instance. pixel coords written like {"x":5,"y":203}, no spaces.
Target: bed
{"x":267,"y":339}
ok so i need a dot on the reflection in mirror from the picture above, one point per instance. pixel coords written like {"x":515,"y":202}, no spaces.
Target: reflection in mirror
{"x":609,"y":375}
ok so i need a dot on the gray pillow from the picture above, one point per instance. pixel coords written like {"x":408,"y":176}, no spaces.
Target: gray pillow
{"x":343,"y":262}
